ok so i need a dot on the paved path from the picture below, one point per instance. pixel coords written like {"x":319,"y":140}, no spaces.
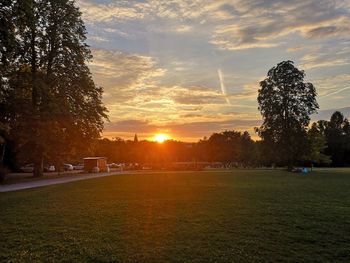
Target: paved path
{"x":45,"y":182}
{"x":66,"y":179}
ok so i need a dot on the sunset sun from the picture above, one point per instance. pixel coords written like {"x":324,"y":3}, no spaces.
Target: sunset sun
{"x":160,"y":138}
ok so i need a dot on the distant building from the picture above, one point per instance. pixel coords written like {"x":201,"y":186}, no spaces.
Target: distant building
{"x":135,"y":138}
{"x":92,"y":163}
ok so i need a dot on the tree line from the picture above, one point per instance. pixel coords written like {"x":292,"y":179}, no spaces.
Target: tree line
{"x":327,"y":143}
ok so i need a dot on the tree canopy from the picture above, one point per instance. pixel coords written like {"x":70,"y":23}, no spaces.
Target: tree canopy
{"x":336,"y":132}
{"x":47,"y":95}
{"x":286,"y":103}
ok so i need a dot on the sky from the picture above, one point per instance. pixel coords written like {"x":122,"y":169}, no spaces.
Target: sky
{"x":191,"y":68}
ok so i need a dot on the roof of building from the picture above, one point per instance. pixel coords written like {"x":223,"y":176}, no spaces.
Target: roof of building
{"x":94,"y":158}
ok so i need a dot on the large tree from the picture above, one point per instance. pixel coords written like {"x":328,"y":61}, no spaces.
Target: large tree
{"x":47,"y":95}
{"x":286,"y":102}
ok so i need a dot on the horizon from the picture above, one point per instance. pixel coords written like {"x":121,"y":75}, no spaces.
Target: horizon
{"x":321,"y":115}
{"x":188,"y":69}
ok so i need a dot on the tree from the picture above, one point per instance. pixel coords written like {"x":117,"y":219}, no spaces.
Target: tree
{"x":228,"y":147}
{"x":248,"y":154}
{"x":48,"y":97}
{"x":316,"y":146}
{"x":225,"y":147}
{"x":286,"y":102}
{"x":337,"y":134}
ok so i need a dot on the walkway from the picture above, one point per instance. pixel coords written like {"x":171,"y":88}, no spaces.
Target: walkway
{"x":45,"y":182}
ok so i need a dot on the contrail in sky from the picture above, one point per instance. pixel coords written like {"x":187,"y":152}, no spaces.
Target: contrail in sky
{"x":335,"y":92}
{"x":222,"y":84}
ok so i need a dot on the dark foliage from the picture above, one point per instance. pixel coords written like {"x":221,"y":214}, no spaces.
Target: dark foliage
{"x":337,"y":135}
{"x":286,"y":102}
{"x":231,"y":148}
{"x":47,"y":96}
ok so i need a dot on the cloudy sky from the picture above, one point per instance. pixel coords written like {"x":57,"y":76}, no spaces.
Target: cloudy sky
{"x":190,"y":68}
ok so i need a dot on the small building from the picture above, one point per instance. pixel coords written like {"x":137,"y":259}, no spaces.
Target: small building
{"x":90,"y":164}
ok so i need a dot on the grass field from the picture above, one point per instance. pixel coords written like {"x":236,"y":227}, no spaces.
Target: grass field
{"x":238,"y":216}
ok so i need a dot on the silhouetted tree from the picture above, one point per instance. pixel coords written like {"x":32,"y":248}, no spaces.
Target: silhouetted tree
{"x":337,"y":133}
{"x":48,"y":97}
{"x":286,"y":102}
{"x":249,"y":154}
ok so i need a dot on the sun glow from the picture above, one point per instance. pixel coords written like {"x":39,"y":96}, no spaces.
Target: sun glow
{"x":160,"y":138}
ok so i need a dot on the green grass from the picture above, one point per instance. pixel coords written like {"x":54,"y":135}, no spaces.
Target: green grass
{"x":238,"y":216}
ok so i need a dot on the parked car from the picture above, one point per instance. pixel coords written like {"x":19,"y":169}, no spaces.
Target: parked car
{"x":49,"y":168}
{"x":111,"y":165}
{"x":78,"y":167}
{"x":29,"y":168}
{"x":68,"y":167}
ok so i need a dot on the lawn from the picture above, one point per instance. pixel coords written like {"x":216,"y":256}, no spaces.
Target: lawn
{"x":236,"y":216}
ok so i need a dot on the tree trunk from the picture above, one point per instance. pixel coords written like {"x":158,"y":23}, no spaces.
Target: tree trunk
{"x":3,"y":153}
{"x":39,"y":167}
